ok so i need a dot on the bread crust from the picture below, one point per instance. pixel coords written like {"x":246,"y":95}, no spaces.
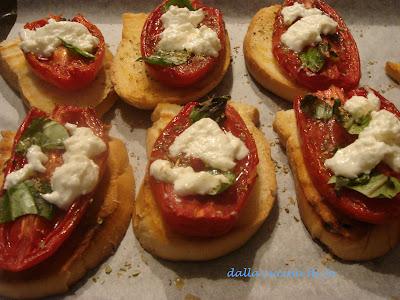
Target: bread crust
{"x":155,"y":236}
{"x":393,"y":70}
{"x":260,"y":61}
{"x":96,"y":237}
{"x":134,"y":86}
{"x":37,"y":93}
{"x":361,"y":241}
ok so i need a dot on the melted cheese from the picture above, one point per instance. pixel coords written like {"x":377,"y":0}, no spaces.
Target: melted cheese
{"x":181,"y":32}
{"x":45,"y":40}
{"x":379,"y":141}
{"x":78,"y":175}
{"x":207,"y":141}
{"x":36,"y":158}
{"x":307,"y":31}
{"x":297,"y":10}
{"x":185,"y":180}
{"x":359,"y":106}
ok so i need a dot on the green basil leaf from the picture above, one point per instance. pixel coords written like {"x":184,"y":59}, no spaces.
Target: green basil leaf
{"x":76,"y":50}
{"x":45,"y":133}
{"x":167,"y":58}
{"x":21,"y":201}
{"x":55,"y":135}
{"x":179,"y":3}
{"x":358,"y":125}
{"x":316,"y":108}
{"x":24,"y":199}
{"x":224,"y":186}
{"x":352,"y":125}
{"x":213,"y":108}
{"x":372,"y":186}
{"x":312,"y":59}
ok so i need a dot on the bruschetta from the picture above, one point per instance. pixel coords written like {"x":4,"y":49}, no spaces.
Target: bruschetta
{"x":210,"y":182}
{"x":344,"y":153}
{"x":301,"y":46}
{"x":66,"y":200}
{"x":59,"y":62}
{"x":177,"y":53}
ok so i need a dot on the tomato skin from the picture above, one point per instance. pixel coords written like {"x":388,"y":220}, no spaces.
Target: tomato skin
{"x":318,"y":142}
{"x":31,"y":239}
{"x":65,"y":70}
{"x":205,"y":216}
{"x":345,"y":73}
{"x":197,"y":67}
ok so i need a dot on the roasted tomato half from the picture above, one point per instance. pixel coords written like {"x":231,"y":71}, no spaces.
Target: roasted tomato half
{"x":319,"y":141}
{"x":196,"y":67}
{"x":204,"y":216}
{"x":335,"y":60}
{"x":66,"y":69}
{"x":30,"y":239}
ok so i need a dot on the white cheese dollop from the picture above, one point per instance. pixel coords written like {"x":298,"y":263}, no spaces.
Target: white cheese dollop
{"x":207,"y":141}
{"x":359,"y":106}
{"x":78,"y":175}
{"x":379,"y":141}
{"x":44,"y":40}
{"x":297,"y":10}
{"x":36,"y":158}
{"x":185,"y":180}
{"x":181,"y":32}
{"x":307,"y":31}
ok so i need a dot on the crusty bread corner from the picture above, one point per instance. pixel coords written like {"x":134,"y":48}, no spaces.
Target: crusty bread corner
{"x":96,"y":237}
{"x":260,"y":61}
{"x":393,"y":70}
{"x":360,"y":242}
{"x":134,"y":86}
{"x":155,"y":236}
{"x":38,"y":93}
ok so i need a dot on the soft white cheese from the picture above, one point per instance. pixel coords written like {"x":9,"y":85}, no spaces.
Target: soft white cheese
{"x":44,"y":40}
{"x":207,"y":141}
{"x":379,"y":141}
{"x":181,"y":32}
{"x":185,"y":180}
{"x":78,"y":175}
{"x":359,"y":106}
{"x":297,"y":10}
{"x":36,"y":158}
{"x":307,"y":31}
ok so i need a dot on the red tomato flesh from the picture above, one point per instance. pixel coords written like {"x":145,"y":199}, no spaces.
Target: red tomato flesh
{"x":344,"y":72}
{"x":31,"y":239}
{"x":205,"y":216}
{"x":320,"y":139}
{"x":64,"y":69}
{"x":197,"y":67}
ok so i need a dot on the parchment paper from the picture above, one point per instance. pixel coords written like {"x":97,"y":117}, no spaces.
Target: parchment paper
{"x":282,"y":244}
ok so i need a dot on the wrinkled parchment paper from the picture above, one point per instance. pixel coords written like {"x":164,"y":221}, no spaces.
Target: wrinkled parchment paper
{"x":282,"y":247}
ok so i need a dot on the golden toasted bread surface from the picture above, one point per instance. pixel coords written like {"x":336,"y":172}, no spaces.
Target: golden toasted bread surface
{"x":260,"y":61}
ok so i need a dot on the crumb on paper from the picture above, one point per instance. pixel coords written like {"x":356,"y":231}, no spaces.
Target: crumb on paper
{"x":108,"y":269}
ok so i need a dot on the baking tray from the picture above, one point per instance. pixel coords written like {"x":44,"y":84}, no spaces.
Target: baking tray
{"x":282,"y":247}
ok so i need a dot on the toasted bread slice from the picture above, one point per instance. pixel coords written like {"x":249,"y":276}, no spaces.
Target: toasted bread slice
{"x":133,"y":84}
{"x":155,"y":236}
{"x":38,"y":93}
{"x":393,"y":70}
{"x":357,"y":241}
{"x":96,"y":237}
{"x":260,"y":61}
